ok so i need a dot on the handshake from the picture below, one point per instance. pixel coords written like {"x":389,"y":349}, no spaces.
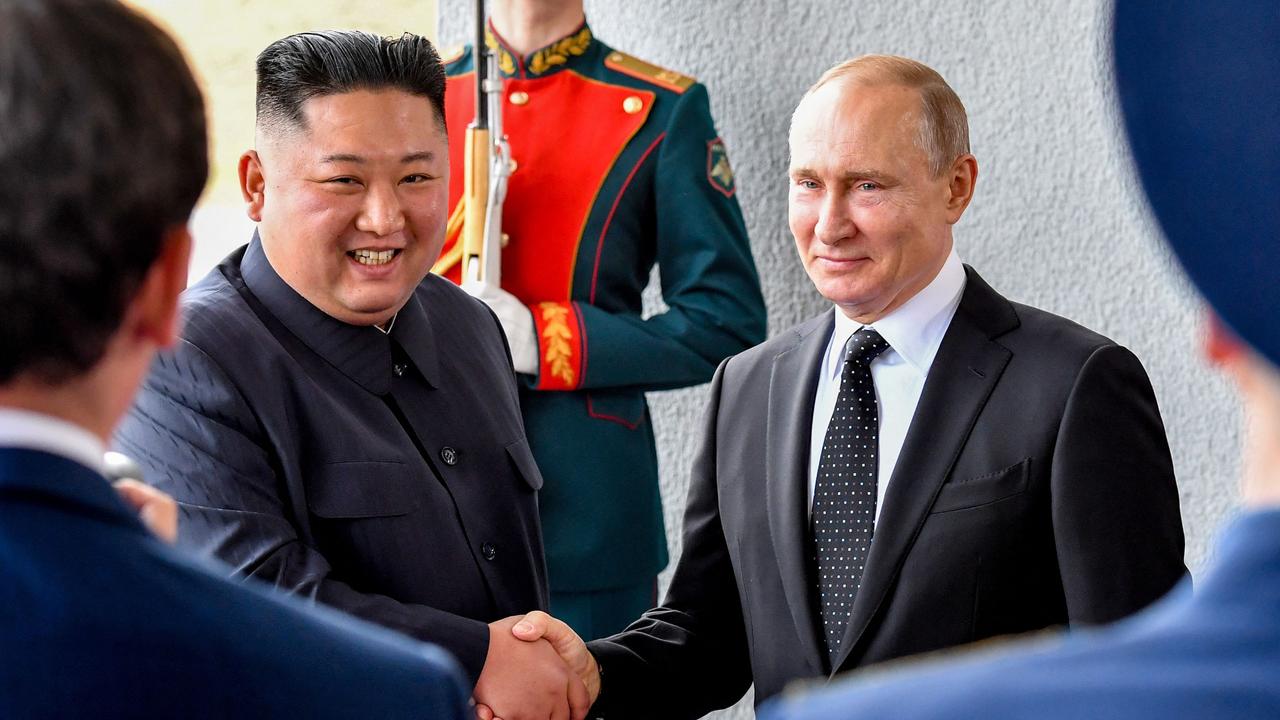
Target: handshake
{"x":537,"y":668}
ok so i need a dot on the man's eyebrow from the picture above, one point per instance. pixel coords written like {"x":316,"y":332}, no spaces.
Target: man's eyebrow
{"x":342,"y":157}
{"x":420,"y":156}
{"x":847,"y":175}
{"x":876,"y":175}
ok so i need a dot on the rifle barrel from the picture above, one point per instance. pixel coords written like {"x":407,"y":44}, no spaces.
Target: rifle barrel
{"x":482,"y":69}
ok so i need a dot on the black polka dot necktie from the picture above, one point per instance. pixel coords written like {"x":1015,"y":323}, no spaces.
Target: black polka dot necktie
{"x":844,"y":497}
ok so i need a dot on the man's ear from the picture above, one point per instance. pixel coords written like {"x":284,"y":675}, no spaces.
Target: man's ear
{"x":253,"y":184}
{"x":1221,"y":347}
{"x":154,"y":310}
{"x":961,"y":179}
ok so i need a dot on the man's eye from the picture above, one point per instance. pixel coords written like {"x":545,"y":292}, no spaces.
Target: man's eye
{"x":807,"y":184}
{"x":416,"y":178}
{"x":344,"y":181}
{"x":868,"y":186}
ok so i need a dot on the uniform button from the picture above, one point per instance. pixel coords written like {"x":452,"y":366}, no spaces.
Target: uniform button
{"x":632,"y":105}
{"x":398,"y":369}
{"x":518,"y":97}
{"x":489,"y":551}
{"x":449,"y":456}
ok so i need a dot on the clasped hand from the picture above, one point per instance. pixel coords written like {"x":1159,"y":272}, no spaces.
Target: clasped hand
{"x":537,"y":669}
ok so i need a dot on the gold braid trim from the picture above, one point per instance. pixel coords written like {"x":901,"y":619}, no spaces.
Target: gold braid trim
{"x":557,"y":341}
{"x":558,"y":52}
{"x":506,"y":62}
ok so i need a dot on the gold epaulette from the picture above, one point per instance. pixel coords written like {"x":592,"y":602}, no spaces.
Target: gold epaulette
{"x":453,"y":54}
{"x":637,"y":68}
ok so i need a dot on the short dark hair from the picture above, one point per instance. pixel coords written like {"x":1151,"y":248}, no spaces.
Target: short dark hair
{"x":297,"y":68}
{"x":103,"y":150}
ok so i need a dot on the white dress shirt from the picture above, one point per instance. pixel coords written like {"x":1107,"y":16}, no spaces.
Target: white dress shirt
{"x":914,"y":332}
{"x":36,"y":431}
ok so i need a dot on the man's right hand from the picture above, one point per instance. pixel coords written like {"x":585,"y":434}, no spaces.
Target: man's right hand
{"x":538,"y":625}
{"x":527,"y":680}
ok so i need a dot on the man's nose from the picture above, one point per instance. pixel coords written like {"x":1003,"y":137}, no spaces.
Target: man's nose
{"x":835,"y":222}
{"x":382,"y":214}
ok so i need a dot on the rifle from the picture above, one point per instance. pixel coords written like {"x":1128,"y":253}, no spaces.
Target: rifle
{"x":488,"y":165}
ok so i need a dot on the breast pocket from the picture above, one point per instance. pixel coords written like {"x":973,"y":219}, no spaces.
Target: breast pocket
{"x":362,"y":489}
{"x":522,"y":457}
{"x":984,"y":489}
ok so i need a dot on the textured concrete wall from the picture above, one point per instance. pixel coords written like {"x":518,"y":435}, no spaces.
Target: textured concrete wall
{"x":1057,"y":221}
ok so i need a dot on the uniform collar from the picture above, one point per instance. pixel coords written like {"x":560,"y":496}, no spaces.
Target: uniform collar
{"x":562,"y":54}
{"x":361,"y":352}
{"x":1248,"y":556}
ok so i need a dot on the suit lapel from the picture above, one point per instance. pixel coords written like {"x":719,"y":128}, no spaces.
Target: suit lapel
{"x":964,"y":372}
{"x":791,"y":388}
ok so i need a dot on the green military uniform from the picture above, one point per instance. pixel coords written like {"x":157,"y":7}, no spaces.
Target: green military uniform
{"x":618,"y":166}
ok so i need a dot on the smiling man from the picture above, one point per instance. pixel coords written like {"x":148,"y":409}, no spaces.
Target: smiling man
{"x":308,"y":423}
{"x":925,"y":465}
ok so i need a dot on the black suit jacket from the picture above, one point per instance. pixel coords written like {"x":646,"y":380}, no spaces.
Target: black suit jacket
{"x":377,"y":474}
{"x":1034,"y":488}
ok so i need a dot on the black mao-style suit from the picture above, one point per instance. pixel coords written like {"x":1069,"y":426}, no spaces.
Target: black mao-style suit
{"x":1035,"y":488}
{"x":373,"y":473}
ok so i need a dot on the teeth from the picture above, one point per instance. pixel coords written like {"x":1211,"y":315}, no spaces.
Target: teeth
{"x":373,"y":257}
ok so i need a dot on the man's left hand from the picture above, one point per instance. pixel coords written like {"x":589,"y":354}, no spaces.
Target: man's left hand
{"x":157,"y":511}
{"x":517,"y":323}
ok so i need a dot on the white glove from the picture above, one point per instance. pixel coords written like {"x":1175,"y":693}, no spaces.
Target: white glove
{"x":517,"y":323}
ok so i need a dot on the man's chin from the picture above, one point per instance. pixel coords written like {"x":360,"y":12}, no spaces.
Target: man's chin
{"x":367,"y":312}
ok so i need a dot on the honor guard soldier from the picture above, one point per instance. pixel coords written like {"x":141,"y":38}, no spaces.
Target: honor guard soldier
{"x":615,"y":165}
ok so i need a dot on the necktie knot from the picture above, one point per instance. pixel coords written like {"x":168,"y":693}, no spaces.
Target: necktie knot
{"x":865,"y":346}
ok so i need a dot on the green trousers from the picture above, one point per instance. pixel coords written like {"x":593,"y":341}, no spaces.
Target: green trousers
{"x":600,"y":613}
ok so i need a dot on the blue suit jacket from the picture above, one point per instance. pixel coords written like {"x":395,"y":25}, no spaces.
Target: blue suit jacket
{"x":100,"y":619}
{"x":1211,"y":654}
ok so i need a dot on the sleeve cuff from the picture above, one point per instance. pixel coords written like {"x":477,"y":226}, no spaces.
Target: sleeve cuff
{"x":561,"y":345}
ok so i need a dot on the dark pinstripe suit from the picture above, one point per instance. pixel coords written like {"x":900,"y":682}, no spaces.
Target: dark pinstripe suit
{"x":369,"y":472}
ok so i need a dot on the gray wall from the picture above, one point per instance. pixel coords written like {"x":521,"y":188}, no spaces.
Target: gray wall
{"x":1057,"y":221}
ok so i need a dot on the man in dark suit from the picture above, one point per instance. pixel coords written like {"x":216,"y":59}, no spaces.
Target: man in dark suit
{"x":308,"y":422}
{"x":926,"y":465}
{"x":97,"y":616}
{"x":1196,"y":83}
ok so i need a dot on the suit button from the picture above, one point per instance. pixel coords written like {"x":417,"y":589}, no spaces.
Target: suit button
{"x":398,"y":369}
{"x":449,"y":456}
{"x":489,"y":551}
{"x":519,"y":98}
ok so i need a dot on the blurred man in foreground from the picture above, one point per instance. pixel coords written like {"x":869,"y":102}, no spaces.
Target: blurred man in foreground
{"x":1197,"y":85}
{"x":102,"y":141}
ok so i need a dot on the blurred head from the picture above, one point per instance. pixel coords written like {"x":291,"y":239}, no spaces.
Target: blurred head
{"x":1202,"y":113}
{"x":103,"y":162}
{"x":880,"y":171}
{"x":349,"y":180}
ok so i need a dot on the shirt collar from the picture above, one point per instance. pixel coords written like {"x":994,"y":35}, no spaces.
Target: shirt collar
{"x":361,"y":352}
{"x":37,"y":431}
{"x":915,"y":330}
{"x":553,"y":57}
